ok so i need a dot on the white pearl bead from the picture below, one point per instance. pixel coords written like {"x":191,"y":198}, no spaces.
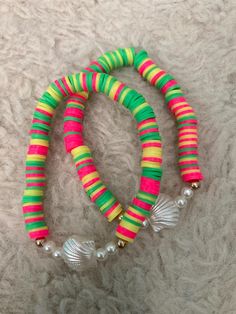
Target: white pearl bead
{"x":145,"y":224}
{"x":187,"y":192}
{"x":56,"y":254}
{"x":101,"y":254}
{"x":181,"y":202}
{"x":111,"y":248}
{"x":49,"y":247}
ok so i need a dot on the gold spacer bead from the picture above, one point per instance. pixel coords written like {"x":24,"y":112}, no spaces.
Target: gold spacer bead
{"x":120,"y":216}
{"x":121,"y":243}
{"x":195,"y":185}
{"x":39,"y":242}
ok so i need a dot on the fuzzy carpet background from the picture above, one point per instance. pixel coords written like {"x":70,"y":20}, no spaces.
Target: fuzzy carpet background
{"x":190,"y":269}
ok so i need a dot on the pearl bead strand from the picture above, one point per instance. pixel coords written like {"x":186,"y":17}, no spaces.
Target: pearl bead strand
{"x":101,"y":254}
{"x":81,"y":255}
{"x":180,"y":201}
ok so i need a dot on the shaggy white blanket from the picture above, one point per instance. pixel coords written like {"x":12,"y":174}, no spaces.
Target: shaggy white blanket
{"x":189,"y":269}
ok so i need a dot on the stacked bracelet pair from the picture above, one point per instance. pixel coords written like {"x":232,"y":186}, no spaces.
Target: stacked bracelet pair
{"x":147,"y":207}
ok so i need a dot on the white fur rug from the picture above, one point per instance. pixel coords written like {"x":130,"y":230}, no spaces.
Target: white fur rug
{"x":190,"y":269}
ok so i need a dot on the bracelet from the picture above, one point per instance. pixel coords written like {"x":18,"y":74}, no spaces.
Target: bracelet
{"x":77,"y":86}
{"x":35,"y":162}
{"x":174,"y":98}
{"x":185,"y":116}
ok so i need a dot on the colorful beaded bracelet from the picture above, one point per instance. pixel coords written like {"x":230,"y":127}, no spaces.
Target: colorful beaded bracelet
{"x":77,"y":86}
{"x":185,"y":116}
{"x":35,"y":162}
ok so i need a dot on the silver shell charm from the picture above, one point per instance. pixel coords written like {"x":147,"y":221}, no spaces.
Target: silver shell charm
{"x":164,"y":214}
{"x":79,"y":255}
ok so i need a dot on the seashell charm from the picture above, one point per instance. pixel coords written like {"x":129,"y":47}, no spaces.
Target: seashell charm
{"x":79,"y":255}
{"x":164,"y":213}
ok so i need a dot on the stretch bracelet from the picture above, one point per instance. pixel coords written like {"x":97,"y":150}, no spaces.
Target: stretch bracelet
{"x":35,"y":162}
{"x":174,"y":98}
{"x":184,"y":114}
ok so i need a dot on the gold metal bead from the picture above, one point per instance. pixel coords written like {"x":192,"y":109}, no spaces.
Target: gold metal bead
{"x":195,"y":185}
{"x":120,"y":216}
{"x":121,"y":243}
{"x":40,"y":242}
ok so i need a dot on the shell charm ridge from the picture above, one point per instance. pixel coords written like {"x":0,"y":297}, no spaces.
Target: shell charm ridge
{"x":164,"y":214}
{"x":79,"y":255}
